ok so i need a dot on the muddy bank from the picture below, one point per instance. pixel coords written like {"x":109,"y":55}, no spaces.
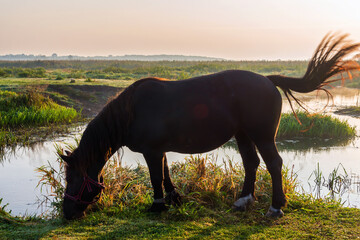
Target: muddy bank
{"x":88,"y":98}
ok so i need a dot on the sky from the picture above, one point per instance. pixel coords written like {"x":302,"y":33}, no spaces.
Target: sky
{"x":230,"y":29}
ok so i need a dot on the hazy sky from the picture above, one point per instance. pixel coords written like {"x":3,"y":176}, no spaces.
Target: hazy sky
{"x":232,"y":29}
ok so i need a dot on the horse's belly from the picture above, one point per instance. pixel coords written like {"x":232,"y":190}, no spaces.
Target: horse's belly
{"x":199,"y":138}
{"x":189,"y":145}
{"x":182,"y":136}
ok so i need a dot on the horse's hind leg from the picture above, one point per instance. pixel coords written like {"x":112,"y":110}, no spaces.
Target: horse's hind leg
{"x":172,"y":196}
{"x":251,"y":162}
{"x":156,"y":169}
{"x":273,"y":163}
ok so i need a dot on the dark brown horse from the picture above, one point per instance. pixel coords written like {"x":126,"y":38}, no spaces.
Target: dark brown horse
{"x":197,"y":115}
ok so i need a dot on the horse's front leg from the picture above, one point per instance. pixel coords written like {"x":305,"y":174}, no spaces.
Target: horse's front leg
{"x":172,"y":196}
{"x":155,"y":164}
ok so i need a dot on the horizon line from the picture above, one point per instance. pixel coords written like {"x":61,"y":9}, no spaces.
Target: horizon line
{"x":54,"y":56}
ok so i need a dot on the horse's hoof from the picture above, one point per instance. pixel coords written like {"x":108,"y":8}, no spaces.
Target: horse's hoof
{"x":274,"y":213}
{"x":173,"y":198}
{"x":158,"y":207}
{"x":239,"y":209}
{"x":243,"y":203}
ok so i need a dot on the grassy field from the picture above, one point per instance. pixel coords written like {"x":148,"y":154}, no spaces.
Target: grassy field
{"x":206,"y":212}
{"x":304,"y":219}
{"x":133,"y":70}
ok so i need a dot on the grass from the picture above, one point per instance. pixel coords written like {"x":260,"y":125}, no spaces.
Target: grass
{"x":205,"y":181}
{"x":314,"y":126}
{"x":20,"y":113}
{"x":131,"y":70}
{"x":209,"y":189}
{"x":306,"y":219}
{"x":32,"y":109}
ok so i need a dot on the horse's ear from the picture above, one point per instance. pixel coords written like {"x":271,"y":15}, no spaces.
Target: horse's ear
{"x":66,"y":159}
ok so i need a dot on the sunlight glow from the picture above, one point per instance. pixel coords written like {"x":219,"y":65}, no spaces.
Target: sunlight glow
{"x":229,"y":29}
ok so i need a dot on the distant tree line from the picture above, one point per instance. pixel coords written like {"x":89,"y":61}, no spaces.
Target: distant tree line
{"x":137,"y":69}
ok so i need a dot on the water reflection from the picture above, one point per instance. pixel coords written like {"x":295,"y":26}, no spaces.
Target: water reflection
{"x":305,"y":145}
{"x":338,"y":185}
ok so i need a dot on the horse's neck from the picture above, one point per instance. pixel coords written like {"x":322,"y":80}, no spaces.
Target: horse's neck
{"x":95,"y":169}
{"x":105,"y":134}
{"x":100,"y":140}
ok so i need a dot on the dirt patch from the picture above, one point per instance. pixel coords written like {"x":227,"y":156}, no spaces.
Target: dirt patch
{"x":88,"y":98}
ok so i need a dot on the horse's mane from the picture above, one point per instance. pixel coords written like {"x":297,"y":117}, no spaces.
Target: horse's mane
{"x":105,"y":134}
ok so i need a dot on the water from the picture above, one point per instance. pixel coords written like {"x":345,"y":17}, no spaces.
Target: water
{"x":18,"y":178}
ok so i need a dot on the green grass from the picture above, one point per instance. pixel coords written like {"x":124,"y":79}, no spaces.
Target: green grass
{"x":131,"y":70}
{"x":22,"y":116}
{"x":32,"y":109}
{"x":314,"y":126}
{"x":305,"y":220}
{"x":209,"y":192}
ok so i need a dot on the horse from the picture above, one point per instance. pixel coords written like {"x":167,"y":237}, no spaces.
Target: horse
{"x":153,"y":116}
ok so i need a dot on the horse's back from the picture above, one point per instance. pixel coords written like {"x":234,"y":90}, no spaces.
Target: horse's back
{"x":201,"y":113}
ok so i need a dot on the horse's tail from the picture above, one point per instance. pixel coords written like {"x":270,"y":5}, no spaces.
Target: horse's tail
{"x":327,"y":61}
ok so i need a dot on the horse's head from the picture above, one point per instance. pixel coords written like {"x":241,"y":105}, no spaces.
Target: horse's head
{"x":81,"y":189}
